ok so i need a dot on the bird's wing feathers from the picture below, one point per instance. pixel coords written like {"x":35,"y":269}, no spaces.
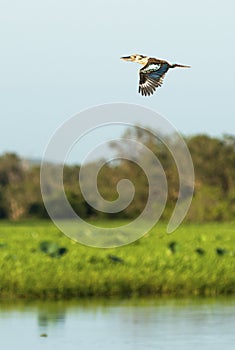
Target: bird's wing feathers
{"x":151,"y":77}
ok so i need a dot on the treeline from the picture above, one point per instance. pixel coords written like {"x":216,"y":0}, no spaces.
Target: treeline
{"x":214,"y":195}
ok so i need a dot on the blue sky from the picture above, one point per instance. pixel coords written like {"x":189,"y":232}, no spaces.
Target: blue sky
{"x":59,"y":57}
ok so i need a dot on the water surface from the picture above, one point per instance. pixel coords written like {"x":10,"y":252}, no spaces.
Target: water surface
{"x":119,"y":325}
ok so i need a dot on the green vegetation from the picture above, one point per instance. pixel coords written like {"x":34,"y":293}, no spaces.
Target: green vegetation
{"x":37,"y":261}
{"x":214,"y":196}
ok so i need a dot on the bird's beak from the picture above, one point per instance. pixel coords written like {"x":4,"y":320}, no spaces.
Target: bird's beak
{"x":126,"y":58}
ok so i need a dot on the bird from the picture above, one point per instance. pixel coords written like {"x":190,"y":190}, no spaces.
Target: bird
{"x":152,"y":73}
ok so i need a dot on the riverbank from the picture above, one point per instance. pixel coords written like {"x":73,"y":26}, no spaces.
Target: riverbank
{"x":39,"y":262}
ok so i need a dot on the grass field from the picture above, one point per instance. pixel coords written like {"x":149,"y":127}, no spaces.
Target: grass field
{"x":37,"y":261}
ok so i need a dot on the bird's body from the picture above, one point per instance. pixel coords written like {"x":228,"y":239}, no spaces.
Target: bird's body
{"x":152,"y":73}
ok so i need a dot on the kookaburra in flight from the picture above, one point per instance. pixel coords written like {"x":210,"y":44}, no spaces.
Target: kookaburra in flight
{"x":152,"y":73}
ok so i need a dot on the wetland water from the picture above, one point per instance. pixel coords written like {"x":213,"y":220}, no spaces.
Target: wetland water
{"x":119,"y":325}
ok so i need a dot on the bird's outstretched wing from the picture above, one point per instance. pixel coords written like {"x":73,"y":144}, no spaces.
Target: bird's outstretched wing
{"x":151,"y":77}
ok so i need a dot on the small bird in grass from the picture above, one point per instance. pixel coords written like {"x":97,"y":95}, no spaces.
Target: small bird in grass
{"x":152,"y":73}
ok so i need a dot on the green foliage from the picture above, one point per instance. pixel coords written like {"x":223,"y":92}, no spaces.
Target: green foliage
{"x":214,"y":197}
{"x":52,"y":249}
{"x":194,"y":260}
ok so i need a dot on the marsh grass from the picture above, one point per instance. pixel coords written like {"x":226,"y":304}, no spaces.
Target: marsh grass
{"x":194,"y":260}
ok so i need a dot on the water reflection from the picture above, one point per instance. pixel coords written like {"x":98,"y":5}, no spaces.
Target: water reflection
{"x":48,"y":317}
{"x":133,"y":324}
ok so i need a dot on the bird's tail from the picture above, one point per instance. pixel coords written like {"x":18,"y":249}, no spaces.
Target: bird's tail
{"x":179,"y":65}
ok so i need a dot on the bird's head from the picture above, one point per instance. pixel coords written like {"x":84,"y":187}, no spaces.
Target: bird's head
{"x":136,"y":58}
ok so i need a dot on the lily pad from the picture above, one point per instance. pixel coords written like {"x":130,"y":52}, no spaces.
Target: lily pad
{"x":115,"y":259}
{"x":200,"y":251}
{"x":174,"y":247}
{"x":52,"y":249}
{"x":221,"y":251}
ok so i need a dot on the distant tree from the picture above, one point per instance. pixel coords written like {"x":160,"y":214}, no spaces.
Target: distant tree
{"x":11,"y":180}
{"x":11,"y":170}
{"x":214,"y":161}
{"x":214,"y":196}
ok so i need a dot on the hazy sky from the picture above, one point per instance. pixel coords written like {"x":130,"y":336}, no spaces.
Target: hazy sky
{"x":59,"y":57}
